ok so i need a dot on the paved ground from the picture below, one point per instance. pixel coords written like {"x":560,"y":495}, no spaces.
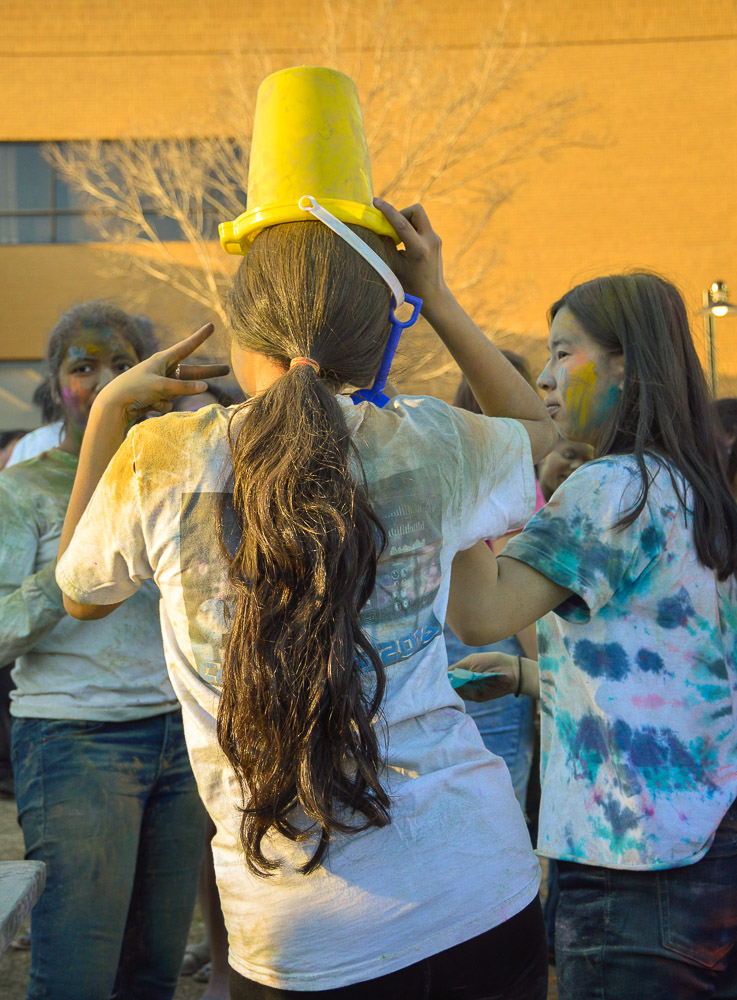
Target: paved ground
{"x":14,"y":964}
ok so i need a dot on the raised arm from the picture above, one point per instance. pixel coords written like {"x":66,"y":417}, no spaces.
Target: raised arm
{"x":149,"y":385}
{"x":492,"y":599}
{"x":497,"y":385}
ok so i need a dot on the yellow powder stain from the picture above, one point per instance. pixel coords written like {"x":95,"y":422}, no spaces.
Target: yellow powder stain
{"x":581,"y":393}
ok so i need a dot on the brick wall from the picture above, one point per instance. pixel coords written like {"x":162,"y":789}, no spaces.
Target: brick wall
{"x":648,"y":178}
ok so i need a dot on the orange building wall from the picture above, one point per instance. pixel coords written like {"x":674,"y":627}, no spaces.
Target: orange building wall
{"x":655,"y":84}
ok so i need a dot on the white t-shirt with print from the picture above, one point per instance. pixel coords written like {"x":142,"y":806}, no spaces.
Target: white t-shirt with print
{"x":456,"y":859}
{"x":638,"y":673}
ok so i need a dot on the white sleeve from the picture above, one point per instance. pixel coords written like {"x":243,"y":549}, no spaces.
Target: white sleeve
{"x":107,"y":561}
{"x":495,"y":488}
{"x":36,"y":442}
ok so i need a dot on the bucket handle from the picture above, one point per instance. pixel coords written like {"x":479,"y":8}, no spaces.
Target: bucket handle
{"x":308,"y":204}
{"x":375,"y":394}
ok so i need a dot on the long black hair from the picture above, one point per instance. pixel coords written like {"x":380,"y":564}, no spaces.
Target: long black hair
{"x":726,"y":411}
{"x":663,"y":409}
{"x":302,"y":684}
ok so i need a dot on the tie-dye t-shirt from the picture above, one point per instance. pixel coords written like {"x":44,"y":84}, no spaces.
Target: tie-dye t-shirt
{"x":637,"y":675}
{"x":456,"y":858}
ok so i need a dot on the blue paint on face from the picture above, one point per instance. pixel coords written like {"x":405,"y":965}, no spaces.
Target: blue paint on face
{"x":649,"y":661}
{"x":601,"y":659}
{"x":674,"y":612}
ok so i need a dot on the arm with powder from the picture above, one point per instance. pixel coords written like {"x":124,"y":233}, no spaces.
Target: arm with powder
{"x":31,"y":602}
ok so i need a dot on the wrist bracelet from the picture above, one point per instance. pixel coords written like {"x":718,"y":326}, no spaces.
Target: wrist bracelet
{"x":519,"y":677}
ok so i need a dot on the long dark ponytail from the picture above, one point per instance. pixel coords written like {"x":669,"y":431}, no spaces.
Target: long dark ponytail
{"x":302,"y":684}
{"x":663,"y":409}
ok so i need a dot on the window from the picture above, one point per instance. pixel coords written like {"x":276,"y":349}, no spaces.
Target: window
{"x":18,"y":381}
{"x":37,"y":206}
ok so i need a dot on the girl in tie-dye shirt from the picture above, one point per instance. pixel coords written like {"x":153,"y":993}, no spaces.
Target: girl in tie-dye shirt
{"x":631,"y":569}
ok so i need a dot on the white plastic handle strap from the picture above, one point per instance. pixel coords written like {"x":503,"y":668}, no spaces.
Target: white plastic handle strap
{"x":308,"y":204}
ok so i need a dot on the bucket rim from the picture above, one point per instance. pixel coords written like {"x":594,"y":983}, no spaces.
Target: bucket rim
{"x":237,"y":235}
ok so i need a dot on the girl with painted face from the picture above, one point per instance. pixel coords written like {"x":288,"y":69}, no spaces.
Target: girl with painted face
{"x":367,"y":843}
{"x":105,"y":792}
{"x":632,"y":564}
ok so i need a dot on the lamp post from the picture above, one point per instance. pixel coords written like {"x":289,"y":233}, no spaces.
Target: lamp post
{"x":716,"y":303}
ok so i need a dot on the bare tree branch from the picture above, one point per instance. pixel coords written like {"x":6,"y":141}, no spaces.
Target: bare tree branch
{"x":440,"y":127}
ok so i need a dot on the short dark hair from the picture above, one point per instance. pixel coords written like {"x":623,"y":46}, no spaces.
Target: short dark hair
{"x":7,"y":437}
{"x":97,"y":315}
{"x":44,"y":399}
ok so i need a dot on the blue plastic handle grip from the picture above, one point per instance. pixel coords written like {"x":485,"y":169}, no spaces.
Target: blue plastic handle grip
{"x":375,"y":394}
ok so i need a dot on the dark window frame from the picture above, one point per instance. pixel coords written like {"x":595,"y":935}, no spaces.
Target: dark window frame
{"x":53,"y":214}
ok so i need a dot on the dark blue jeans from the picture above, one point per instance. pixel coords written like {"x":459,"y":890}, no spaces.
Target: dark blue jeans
{"x":113,"y":810}
{"x":660,"y":935}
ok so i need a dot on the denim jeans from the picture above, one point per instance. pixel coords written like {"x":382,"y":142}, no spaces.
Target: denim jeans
{"x":113,"y":810}
{"x":507,"y":725}
{"x":664,"y":935}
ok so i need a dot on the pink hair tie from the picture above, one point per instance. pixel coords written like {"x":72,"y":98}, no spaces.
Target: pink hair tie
{"x":305,"y":361}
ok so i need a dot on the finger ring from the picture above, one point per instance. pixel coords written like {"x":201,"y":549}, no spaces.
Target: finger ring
{"x":178,"y":371}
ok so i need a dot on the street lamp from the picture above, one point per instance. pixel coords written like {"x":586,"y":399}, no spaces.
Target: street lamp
{"x":716,"y":303}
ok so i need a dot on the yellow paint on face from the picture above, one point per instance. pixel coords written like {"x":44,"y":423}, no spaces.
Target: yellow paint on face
{"x":580,"y":395}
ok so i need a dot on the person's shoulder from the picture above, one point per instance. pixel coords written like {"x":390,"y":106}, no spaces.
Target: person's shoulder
{"x":35,"y":442}
{"x":180,"y":450}
{"x":417,"y":407}
{"x":431,"y":412}
{"x":609,"y":471}
{"x":402,"y":412}
{"x":184,"y":429}
{"x":36,"y":480}
{"x":626,"y":473}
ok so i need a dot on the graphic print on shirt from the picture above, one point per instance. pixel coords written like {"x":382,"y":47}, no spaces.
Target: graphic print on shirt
{"x":399,"y":614}
{"x":203,"y":574}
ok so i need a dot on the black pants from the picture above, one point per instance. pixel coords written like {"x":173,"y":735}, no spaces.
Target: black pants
{"x":509,"y":962}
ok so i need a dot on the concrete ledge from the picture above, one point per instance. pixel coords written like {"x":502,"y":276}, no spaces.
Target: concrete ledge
{"x":21,"y":884}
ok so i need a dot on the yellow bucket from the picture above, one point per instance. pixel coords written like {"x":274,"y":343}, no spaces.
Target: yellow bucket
{"x":308,"y":139}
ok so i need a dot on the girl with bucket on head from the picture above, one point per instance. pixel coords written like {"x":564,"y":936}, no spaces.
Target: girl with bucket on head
{"x":366,"y":841}
{"x":635,"y":554}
